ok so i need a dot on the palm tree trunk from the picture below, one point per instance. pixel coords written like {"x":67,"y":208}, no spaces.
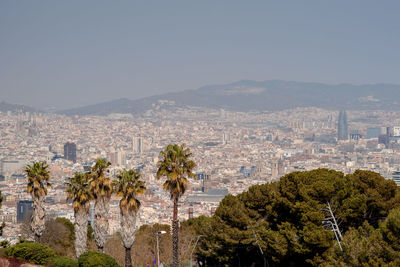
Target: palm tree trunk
{"x":37,"y":238}
{"x":101,"y":222}
{"x":81,"y":226}
{"x":175,"y":237}
{"x":38,"y":217}
{"x":128,"y":224}
{"x":128,"y":257}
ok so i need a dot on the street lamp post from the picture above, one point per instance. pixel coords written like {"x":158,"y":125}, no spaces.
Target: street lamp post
{"x":158,"y":250}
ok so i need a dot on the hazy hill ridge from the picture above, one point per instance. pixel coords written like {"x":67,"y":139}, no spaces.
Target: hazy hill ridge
{"x":262,"y":95}
{"x":4,"y":107}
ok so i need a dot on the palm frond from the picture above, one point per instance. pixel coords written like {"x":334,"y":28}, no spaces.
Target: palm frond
{"x":78,"y":190}
{"x":175,"y":165}
{"x":38,"y":178}
{"x":128,"y":186}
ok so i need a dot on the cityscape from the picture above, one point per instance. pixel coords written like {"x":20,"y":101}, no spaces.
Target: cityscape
{"x":233,"y":151}
{"x":199,"y":133}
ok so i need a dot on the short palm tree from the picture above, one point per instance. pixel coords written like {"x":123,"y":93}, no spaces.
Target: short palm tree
{"x":128,"y":186}
{"x":38,"y":181}
{"x":79,"y":192}
{"x":175,"y":165}
{"x":101,"y":188}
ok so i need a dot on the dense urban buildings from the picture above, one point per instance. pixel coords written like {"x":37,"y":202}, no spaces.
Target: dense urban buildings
{"x":233,"y":150}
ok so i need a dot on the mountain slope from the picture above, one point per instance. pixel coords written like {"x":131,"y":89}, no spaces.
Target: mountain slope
{"x":4,"y":107}
{"x":265,"y":95}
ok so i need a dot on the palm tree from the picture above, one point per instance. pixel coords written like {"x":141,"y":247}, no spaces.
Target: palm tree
{"x":101,"y":188}
{"x":175,"y":166}
{"x":78,"y":190}
{"x":3,"y":224}
{"x":128,"y":186}
{"x":38,"y":181}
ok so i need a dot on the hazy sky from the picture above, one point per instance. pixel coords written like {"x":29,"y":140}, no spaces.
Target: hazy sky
{"x":72,"y":53}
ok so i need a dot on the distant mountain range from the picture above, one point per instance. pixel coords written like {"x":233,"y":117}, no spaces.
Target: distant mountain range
{"x":259,"y":96}
{"x":4,"y":107}
{"x":266,"y":95}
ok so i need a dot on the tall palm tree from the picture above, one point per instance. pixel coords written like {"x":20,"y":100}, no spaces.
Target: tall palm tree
{"x":128,"y":186}
{"x":38,"y":181}
{"x":175,"y":166}
{"x":3,"y":224}
{"x":79,"y":192}
{"x":101,"y":188}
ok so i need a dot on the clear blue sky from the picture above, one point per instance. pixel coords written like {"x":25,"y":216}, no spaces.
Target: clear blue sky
{"x":72,"y":53}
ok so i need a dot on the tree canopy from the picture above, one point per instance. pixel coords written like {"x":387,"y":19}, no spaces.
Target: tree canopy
{"x":285,"y":219}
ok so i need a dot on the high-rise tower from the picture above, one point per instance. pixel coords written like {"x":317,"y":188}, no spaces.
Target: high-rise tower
{"x":70,"y":151}
{"x":342,"y":126}
{"x":137,"y":145}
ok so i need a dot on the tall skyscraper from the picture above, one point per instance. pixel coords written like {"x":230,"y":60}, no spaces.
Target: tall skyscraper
{"x":342,"y":126}
{"x":70,"y":151}
{"x":137,"y":145}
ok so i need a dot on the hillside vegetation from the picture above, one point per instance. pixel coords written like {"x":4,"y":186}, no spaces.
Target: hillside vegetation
{"x":285,"y":220}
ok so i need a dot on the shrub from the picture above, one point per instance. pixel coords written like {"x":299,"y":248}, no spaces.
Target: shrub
{"x":31,"y":252}
{"x":59,"y":236}
{"x":4,"y":244}
{"x":96,"y":259}
{"x":61,"y":261}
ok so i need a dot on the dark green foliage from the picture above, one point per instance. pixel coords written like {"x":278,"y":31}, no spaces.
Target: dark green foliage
{"x":96,"y":259}
{"x":90,"y":233}
{"x":4,"y":244}
{"x":390,"y":231}
{"x":369,"y":246}
{"x":61,"y":261}
{"x":286,"y":219}
{"x":378,"y":195}
{"x":2,"y":226}
{"x":31,"y":252}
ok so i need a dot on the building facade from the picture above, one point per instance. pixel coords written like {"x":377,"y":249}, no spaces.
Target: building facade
{"x":70,"y":151}
{"x":343,"y":131}
{"x":24,"y":210}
